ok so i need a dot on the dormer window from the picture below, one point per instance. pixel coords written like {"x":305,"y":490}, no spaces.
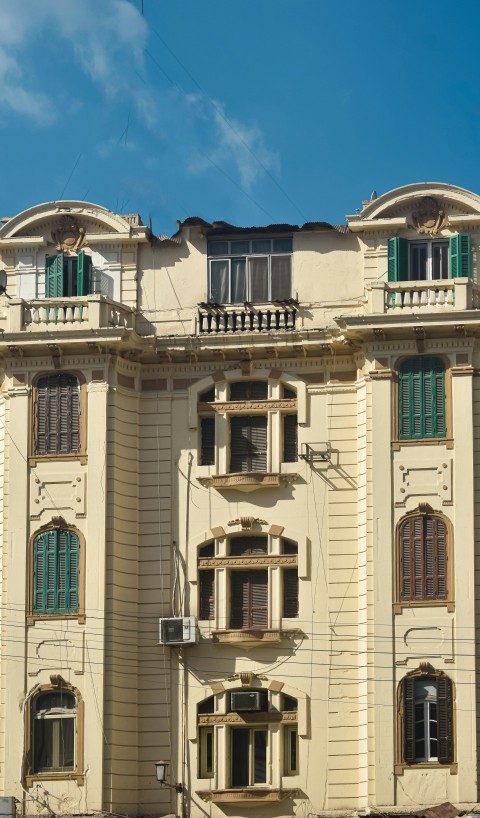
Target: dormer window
{"x":429,"y":259}
{"x":67,"y":276}
{"x":253,"y":270}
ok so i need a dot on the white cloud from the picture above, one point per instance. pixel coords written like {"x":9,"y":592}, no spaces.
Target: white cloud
{"x":107,"y":38}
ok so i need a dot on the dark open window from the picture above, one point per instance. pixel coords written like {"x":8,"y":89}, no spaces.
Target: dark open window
{"x":53,"y":732}
{"x":290,"y":439}
{"x":427,"y":719}
{"x":248,"y":755}
{"x":67,"y":276}
{"x":423,"y":558}
{"x":422,"y":398}
{"x":249,"y":390}
{"x":207,"y":441}
{"x":207,"y":594}
{"x":429,"y":259}
{"x":56,"y":556}
{"x":248,"y":443}
{"x":249,"y":599}
{"x":57,"y":410}
{"x":290,"y":592}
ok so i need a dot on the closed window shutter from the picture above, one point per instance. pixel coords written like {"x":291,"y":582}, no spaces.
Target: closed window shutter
{"x":51,"y":576}
{"x":290,"y":592}
{"x":290,"y":439}
{"x":84,"y":274}
{"x":445,"y":720}
{"x":39,"y":553}
{"x":460,"y":256}
{"x":207,"y":442}
{"x":423,"y":559}
{"x":248,"y":443}
{"x":422,"y":398}
{"x":56,"y":572}
{"x":54,"y":276}
{"x":207,"y":594}
{"x":409,"y":750}
{"x":397,"y":259}
{"x":249,"y":599}
{"x":57,"y":415}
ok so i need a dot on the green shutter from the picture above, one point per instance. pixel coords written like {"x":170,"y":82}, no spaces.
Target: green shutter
{"x":55,"y":572}
{"x":84,"y":274}
{"x":398,"y":259}
{"x":422,"y":398}
{"x":409,"y":748}
{"x":54,"y":276}
{"x":460,"y":256}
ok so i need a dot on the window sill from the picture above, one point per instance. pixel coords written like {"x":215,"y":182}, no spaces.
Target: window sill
{"x":33,"y":618}
{"x":400,"y":607}
{"x":246,"y":795}
{"x":399,"y":769}
{"x":253,"y":636}
{"x":423,"y":441}
{"x":35,"y":459}
{"x":79,"y":778}
{"x":247,"y":481}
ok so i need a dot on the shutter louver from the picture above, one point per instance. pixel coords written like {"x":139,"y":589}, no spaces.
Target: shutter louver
{"x":56,"y":572}
{"x":249,"y":599}
{"x":207,"y":594}
{"x":397,"y":259}
{"x":84,"y":274}
{"x":445,"y":720}
{"x":422,"y":398}
{"x":207,"y":442}
{"x":57,"y":415}
{"x":460,"y":256}
{"x":54,"y":276}
{"x":423,"y":543}
{"x":290,"y":592}
{"x":248,"y":443}
{"x":290,"y":439}
{"x":409,"y":749}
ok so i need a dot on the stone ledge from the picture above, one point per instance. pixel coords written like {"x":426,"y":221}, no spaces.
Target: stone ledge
{"x":245,"y":795}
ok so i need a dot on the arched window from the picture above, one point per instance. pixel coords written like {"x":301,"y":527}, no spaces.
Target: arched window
{"x":427,"y":720}
{"x":56,"y":564}
{"x":57,"y":414}
{"x":423,"y":546}
{"x":422,"y":398}
{"x":53,"y":732}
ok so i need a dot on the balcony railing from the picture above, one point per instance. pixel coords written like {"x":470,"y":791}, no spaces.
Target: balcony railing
{"x":248,"y":319}
{"x":90,"y":312}
{"x":423,"y":296}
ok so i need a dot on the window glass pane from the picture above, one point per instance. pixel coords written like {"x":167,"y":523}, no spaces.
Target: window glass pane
{"x":281,"y":277}
{"x":240,"y":756}
{"x":258,"y":274}
{"x":260,"y":757}
{"x":65,"y":743}
{"x":418,"y":262}
{"x":218,"y":248}
{"x":282,"y":245}
{"x":219,"y":273}
{"x":261,"y":245}
{"x":239,"y":247}
{"x":239,"y":282}
{"x":440,"y":259}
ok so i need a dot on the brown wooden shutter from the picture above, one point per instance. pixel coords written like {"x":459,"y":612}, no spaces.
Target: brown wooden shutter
{"x":206,"y":594}
{"x":248,"y":443}
{"x":445,"y":719}
{"x":207,"y":443}
{"x":290,"y":439}
{"x":409,"y":750}
{"x":423,"y":558}
{"x":290,"y":592}
{"x":249,"y":599}
{"x":40,"y":421}
{"x":57,"y":415}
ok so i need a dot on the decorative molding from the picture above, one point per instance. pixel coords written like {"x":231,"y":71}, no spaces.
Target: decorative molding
{"x":240,"y":406}
{"x":247,"y":523}
{"x":381,"y":374}
{"x":253,"y":637}
{"x":247,"y":481}
{"x":256,"y":717}
{"x":253,"y":795}
{"x":68,"y":236}
{"x":419,"y":477}
{"x":462,"y":369}
{"x":250,"y":561}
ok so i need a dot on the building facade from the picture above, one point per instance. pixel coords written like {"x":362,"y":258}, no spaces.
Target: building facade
{"x":268,"y":439}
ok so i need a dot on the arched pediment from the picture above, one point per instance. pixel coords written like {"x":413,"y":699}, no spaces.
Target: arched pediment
{"x":409,"y":200}
{"x":52,"y":217}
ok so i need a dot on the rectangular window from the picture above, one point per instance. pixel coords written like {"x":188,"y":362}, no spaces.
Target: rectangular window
{"x":422,"y":398}
{"x":290,"y":750}
{"x":248,"y":443}
{"x":290,"y":439}
{"x":290,"y":593}
{"x":249,"y":599}
{"x":206,"y":594}
{"x":55,"y":572}
{"x":207,"y":441}
{"x":53,"y":744}
{"x":67,"y":276}
{"x":255,"y":270}
{"x":206,"y":745}
{"x":248,"y":756}
{"x":57,"y":414}
{"x":429,"y":259}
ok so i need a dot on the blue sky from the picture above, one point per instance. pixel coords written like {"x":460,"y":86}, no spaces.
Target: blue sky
{"x":252,"y":112}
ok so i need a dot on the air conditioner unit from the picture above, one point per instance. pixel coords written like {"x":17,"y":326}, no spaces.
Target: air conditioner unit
{"x":7,"y":806}
{"x":178,"y":630}
{"x":243,"y":701}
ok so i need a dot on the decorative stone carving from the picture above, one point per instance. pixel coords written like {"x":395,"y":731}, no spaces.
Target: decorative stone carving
{"x":247,"y":523}
{"x":416,"y":477}
{"x":429,"y":218}
{"x":68,"y":236}
{"x":252,"y":561}
{"x":248,"y":406}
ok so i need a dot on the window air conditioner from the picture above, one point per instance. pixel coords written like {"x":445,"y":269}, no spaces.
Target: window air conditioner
{"x":245,"y":701}
{"x":178,"y":630}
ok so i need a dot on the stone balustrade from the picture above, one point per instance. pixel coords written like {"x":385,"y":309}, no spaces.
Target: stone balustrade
{"x":422,"y":296}
{"x":90,"y":312}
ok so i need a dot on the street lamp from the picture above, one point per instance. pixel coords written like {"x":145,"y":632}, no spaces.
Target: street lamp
{"x":161,"y":768}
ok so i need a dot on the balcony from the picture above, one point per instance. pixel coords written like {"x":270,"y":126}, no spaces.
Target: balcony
{"x":407,"y":297}
{"x":86,"y":313}
{"x":221,"y":319}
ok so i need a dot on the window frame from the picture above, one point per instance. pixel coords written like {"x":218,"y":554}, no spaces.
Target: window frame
{"x":68,"y":271}
{"x":251,"y":254}
{"x":75,"y":774}
{"x":81,"y":454}
{"x":400,"y":438}
{"x":399,"y":257}
{"x":35,"y":616}
{"x":448,"y":599}
{"x":445,"y":713}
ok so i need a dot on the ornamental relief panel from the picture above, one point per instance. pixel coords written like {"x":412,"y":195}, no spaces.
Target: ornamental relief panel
{"x":57,"y":491}
{"x":423,"y":478}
